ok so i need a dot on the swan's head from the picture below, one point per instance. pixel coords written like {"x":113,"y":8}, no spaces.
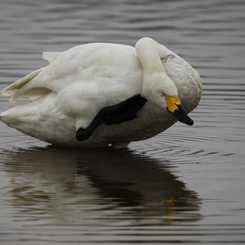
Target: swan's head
{"x":162,"y":92}
{"x":157,"y":85}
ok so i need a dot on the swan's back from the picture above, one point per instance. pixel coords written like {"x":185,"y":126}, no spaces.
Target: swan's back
{"x":89,"y":64}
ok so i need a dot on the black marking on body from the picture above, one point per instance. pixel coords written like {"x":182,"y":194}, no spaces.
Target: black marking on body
{"x":116,"y":114}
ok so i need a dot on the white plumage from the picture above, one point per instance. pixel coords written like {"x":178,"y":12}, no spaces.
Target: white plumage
{"x":78,"y":83}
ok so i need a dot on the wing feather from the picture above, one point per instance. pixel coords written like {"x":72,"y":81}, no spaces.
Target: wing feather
{"x":14,"y":88}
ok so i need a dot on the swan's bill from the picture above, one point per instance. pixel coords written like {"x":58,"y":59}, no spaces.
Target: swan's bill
{"x":174,"y":107}
{"x":172,"y":103}
{"x":182,"y":116}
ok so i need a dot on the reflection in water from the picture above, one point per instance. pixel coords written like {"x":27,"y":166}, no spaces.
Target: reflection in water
{"x":105,"y":187}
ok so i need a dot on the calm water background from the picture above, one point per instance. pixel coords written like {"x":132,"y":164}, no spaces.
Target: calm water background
{"x":185,"y":185}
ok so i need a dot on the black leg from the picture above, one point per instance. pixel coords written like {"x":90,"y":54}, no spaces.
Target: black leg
{"x":116,"y":114}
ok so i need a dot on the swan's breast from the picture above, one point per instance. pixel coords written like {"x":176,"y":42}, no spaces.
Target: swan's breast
{"x":186,"y":79}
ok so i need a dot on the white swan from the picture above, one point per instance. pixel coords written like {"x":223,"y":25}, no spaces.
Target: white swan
{"x":98,"y":94}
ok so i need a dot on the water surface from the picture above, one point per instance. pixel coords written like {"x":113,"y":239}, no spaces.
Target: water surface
{"x":185,"y":185}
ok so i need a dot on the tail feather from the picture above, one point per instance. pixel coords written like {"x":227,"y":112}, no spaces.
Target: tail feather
{"x":14,"y":89}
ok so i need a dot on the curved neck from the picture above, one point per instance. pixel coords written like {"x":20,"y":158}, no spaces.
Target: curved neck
{"x":155,"y":78}
{"x":150,"y":53}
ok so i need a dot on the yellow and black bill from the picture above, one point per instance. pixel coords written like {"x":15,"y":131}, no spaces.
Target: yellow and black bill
{"x":174,"y":107}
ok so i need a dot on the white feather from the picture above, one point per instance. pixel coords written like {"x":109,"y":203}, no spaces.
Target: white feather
{"x":50,"y":56}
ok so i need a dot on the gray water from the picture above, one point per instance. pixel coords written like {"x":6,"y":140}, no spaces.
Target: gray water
{"x":185,"y":185}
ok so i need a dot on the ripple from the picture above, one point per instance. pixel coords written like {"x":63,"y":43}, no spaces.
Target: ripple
{"x":185,"y":185}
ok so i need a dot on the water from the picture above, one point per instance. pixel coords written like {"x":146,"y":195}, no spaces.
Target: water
{"x":185,"y":185}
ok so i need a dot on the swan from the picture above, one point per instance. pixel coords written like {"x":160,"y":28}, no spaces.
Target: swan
{"x":100,"y":94}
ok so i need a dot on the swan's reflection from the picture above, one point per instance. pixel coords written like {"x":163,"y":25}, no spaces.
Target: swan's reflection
{"x":96,"y":187}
